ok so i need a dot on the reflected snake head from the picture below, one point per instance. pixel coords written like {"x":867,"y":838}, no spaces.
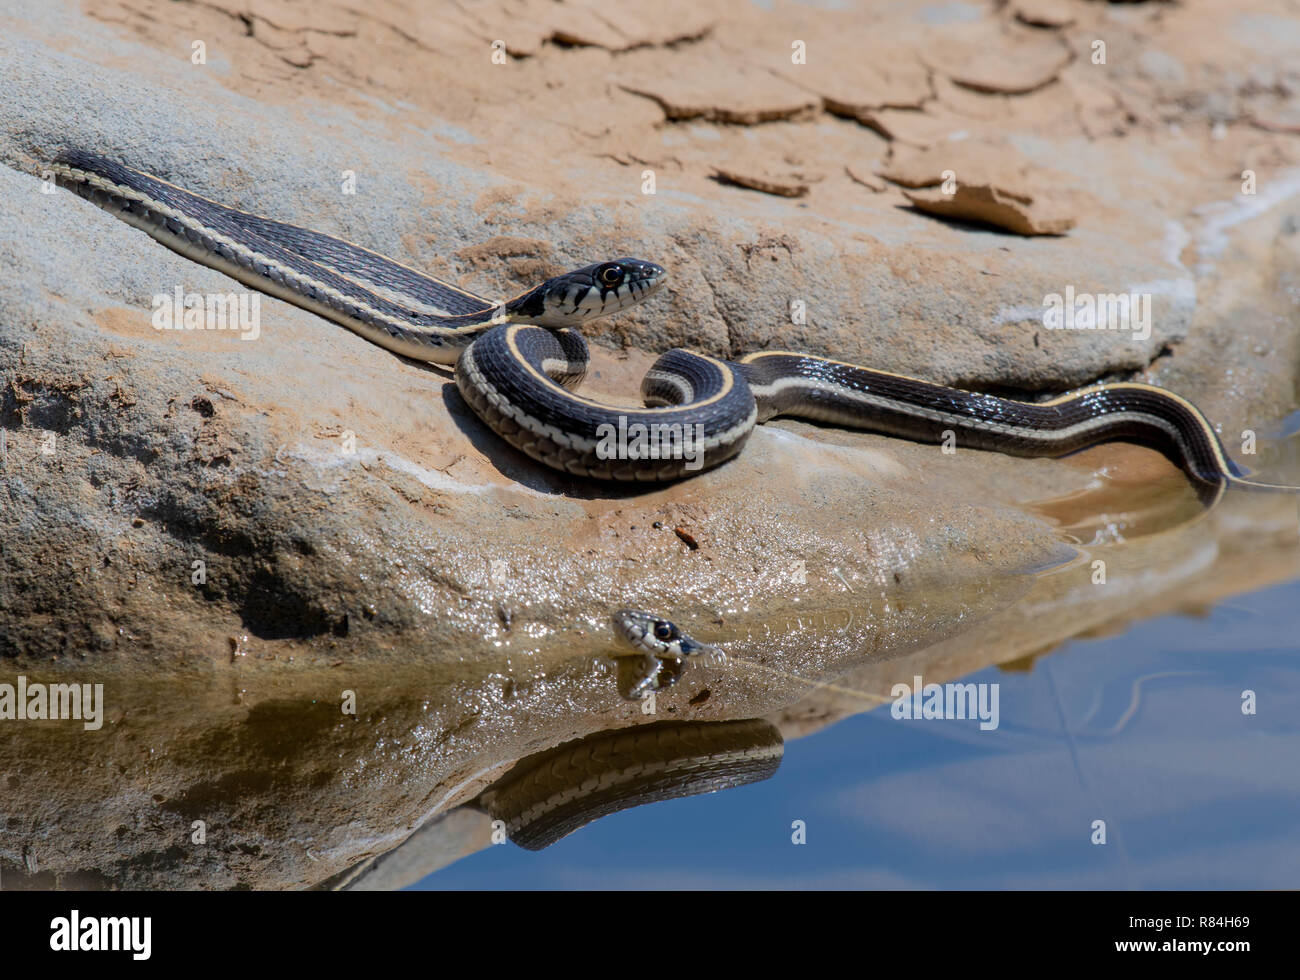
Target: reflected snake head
{"x":647,"y":633}
{"x":573,"y":298}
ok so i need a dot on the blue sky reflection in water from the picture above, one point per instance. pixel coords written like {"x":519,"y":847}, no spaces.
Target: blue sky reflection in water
{"x":1144,"y":730}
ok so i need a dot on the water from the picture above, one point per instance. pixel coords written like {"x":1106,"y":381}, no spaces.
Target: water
{"x":1144,"y":731}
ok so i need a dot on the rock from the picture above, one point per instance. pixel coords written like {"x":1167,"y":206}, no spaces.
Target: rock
{"x":621,"y":25}
{"x":746,"y":95}
{"x":917,"y":127}
{"x":998,"y":58}
{"x":855,"y":77}
{"x":867,"y":180}
{"x":981,"y":181}
{"x":970,"y":161}
{"x":1045,"y":13}
{"x":782,"y":185}
{"x":994,"y":206}
{"x":1280,"y":121}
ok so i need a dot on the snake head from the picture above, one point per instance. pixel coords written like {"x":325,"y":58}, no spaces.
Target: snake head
{"x":584,"y":294}
{"x":651,"y":634}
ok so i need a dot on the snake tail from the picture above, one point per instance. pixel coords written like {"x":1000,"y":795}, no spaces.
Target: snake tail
{"x":851,"y":396}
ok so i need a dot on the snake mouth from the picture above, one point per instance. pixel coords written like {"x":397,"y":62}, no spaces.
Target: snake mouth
{"x":648,"y":283}
{"x":690,"y":647}
{"x":644,"y":272}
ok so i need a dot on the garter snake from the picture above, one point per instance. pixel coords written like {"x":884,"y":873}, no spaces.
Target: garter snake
{"x":517,"y":362}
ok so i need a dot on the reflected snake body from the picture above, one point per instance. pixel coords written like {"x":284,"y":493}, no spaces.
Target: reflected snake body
{"x":550,"y":795}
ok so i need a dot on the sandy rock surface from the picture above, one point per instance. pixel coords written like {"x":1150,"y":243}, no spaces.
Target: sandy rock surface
{"x":352,"y":515}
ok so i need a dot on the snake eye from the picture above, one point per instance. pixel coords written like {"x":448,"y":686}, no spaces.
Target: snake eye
{"x":611,"y":275}
{"x":664,"y":631}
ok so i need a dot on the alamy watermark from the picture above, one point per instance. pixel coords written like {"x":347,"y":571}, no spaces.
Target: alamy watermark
{"x":946,"y":702}
{"x":651,"y":440}
{"x":99,"y":933}
{"x":1098,"y":311}
{"x":53,"y":702}
{"x":179,"y":310}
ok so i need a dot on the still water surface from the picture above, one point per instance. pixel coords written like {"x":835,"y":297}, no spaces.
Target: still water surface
{"x":1144,"y":731}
